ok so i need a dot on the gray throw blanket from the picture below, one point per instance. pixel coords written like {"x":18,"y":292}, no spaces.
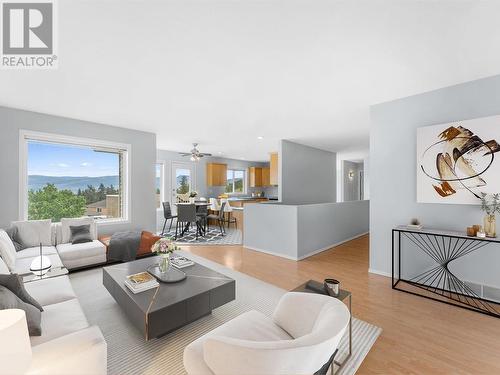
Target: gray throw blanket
{"x":123,"y":246}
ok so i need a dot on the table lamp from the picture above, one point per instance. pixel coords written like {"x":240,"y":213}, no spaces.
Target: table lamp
{"x":41,"y":264}
{"x":15,"y":347}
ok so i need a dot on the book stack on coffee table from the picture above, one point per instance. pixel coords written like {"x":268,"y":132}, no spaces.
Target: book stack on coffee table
{"x":139,"y":282}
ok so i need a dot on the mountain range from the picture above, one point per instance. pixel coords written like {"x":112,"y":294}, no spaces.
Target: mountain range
{"x":37,"y":182}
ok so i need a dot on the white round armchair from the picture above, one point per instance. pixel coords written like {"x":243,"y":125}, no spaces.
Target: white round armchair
{"x":300,"y":338}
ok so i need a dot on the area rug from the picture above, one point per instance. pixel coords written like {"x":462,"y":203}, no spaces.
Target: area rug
{"x":128,"y":353}
{"x":213,"y":236}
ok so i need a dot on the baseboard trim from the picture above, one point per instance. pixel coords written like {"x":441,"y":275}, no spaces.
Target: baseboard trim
{"x":269,"y":252}
{"x":314,"y":252}
{"x":381,"y":273}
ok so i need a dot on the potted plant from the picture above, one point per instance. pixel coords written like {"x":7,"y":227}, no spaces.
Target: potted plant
{"x":491,"y":205}
{"x":192,"y":196}
{"x":164,"y":247}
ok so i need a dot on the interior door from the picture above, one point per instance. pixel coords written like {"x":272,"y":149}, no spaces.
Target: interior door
{"x":182,"y":180}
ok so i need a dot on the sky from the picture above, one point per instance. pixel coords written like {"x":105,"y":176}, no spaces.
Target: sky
{"x":59,"y":160}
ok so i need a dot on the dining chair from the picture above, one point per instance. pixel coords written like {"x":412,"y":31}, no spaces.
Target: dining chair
{"x":214,"y":205}
{"x":202,"y":213}
{"x":219,"y":219}
{"x":167,"y":214}
{"x":228,"y":209}
{"x":186,"y":215}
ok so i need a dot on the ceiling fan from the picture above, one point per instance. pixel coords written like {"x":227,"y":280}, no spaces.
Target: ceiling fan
{"x":195,"y":154}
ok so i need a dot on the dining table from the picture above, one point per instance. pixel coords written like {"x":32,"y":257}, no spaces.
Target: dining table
{"x":198,"y":204}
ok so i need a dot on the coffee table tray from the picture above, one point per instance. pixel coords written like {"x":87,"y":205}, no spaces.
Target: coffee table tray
{"x":173,"y":275}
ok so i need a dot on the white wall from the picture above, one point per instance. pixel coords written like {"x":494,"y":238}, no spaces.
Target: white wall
{"x":307,"y":175}
{"x":393,"y":167}
{"x":362,"y":155}
{"x":351,"y":185}
{"x":142,"y":162}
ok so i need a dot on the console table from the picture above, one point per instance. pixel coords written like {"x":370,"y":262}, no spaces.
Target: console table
{"x":438,"y":282}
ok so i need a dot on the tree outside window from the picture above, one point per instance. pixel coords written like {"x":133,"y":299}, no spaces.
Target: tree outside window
{"x":235,"y":181}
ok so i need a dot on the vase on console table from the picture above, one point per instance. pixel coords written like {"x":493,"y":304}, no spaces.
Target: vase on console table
{"x":490,"y":226}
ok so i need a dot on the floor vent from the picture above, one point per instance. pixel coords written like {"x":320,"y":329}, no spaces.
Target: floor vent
{"x":485,"y":291}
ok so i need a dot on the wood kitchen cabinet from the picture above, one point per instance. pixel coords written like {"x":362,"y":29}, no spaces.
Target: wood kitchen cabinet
{"x":266,"y":176}
{"x":216,"y":174}
{"x":273,"y":173}
{"x":255,"y":176}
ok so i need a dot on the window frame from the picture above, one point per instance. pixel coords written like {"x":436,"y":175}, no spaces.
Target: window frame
{"x":27,"y":135}
{"x":162,"y":164}
{"x":244,"y":182}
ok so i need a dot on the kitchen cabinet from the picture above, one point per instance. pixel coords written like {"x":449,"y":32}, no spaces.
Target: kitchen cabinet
{"x":216,"y":174}
{"x":254,"y":176}
{"x":273,"y":173}
{"x":266,"y":176}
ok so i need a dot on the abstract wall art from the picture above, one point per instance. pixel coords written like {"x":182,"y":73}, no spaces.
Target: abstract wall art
{"x":457,"y":161}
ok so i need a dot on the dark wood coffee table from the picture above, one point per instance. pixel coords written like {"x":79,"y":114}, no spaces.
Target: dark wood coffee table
{"x":161,"y":310}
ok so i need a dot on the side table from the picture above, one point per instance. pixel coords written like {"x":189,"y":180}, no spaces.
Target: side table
{"x":343,"y":295}
{"x":53,"y":272}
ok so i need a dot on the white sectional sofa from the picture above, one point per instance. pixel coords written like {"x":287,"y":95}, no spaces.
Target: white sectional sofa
{"x":68,"y":344}
{"x":55,"y":238}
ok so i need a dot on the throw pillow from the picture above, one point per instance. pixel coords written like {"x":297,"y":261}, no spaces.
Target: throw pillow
{"x":67,"y":222}
{"x":12,"y":232}
{"x":15,"y":284}
{"x":80,"y":234}
{"x":9,"y":300}
{"x":148,"y":239}
{"x":7,"y":250}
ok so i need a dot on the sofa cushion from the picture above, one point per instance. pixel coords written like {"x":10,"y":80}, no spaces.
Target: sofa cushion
{"x":252,"y":325}
{"x":8,"y":300}
{"x":7,"y":250}
{"x":32,"y":252}
{"x":15,"y":284}
{"x":32,"y":232}
{"x":12,"y":232}
{"x":52,"y":290}
{"x":22,"y":266}
{"x":68,"y":251}
{"x":60,"y":319}
{"x":4,"y":270}
{"x":67,"y":222}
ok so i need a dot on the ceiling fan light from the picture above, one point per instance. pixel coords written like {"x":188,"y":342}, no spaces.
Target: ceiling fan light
{"x":193,"y":158}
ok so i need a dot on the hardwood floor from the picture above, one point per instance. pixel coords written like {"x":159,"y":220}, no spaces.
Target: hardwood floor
{"x":419,"y":336}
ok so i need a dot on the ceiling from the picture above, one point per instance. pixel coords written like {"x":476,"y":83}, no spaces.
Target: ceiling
{"x":222,"y":73}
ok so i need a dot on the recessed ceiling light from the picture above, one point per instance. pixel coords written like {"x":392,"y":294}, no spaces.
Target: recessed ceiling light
{"x":260,"y":137}
{"x":220,"y":152}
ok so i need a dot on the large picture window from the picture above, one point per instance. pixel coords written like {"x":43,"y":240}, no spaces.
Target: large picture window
{"x":70,"y":177}
{"x":235,"y":181}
